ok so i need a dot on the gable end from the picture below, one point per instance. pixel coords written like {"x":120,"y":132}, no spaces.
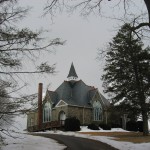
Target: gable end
{"x":61,"y":103}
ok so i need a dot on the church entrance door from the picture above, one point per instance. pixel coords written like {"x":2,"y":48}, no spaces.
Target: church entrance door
{"x":62,"y":117}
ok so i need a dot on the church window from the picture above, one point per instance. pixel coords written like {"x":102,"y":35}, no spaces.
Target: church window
{"x":31,"y":122}
{"x":47,"y":112}
{"x":97,"y":111}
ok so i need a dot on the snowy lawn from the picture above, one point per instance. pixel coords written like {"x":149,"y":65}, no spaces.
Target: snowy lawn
{"x":106,"y":139}
{"x":29,"y":142}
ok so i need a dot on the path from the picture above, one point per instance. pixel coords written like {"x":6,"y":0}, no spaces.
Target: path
{"x":77,"y":143}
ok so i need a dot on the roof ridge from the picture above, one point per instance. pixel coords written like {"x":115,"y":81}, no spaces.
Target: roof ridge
{"x":93,"y":89}
{"x":51,"y":91}
{"x":89,"y":85}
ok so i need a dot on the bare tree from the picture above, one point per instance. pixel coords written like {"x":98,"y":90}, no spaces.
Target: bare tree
{"x":18,"y":45}
{"x":87,"y":7}
{"x":8,"y":107}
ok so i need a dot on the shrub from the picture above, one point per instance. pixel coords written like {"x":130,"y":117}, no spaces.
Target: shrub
{"x":132,"y":126}
{"x":140,"y":126}
{"x":72,"y":124}
{"x":92,"y":126}
{"x":105,"y":126}
{"x":115,"y":125}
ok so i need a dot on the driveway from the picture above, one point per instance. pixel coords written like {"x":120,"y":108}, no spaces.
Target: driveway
{"x":77,"y":143}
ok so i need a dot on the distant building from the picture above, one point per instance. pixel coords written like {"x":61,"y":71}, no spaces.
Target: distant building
{"x":73,"y":98}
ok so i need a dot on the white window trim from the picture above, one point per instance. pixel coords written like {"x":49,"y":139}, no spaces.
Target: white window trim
{"x":65,"y":104}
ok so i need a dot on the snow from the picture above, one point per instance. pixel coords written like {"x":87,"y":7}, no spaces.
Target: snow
{"x":109,"y":140}
{"x":27,"y":142}
{"x":85,"y":129}
{"x":122,"y":145}
{"x":22,"y":141}
{"x":149,"y":124}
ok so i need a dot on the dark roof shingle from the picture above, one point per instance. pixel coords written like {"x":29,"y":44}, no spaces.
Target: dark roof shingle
{"x":75,"y":93}
{"x":72,"y":72}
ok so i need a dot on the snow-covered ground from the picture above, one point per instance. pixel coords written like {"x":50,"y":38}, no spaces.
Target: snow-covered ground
{"x":27,"y":142}
{"x":21,"y":141}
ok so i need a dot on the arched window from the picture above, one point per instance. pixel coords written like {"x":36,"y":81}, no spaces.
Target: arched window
{"x":62,"y":117}
{"x":97,"y":111}
{"x":47,"y":112}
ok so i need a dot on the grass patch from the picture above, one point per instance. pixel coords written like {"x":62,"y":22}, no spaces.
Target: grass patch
{"x":134,"y":137}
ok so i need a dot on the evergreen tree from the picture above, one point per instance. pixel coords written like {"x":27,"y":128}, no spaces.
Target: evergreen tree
{"x":127,"y":73}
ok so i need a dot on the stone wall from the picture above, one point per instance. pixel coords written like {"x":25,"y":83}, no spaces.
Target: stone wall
{"x":87,"y":116}
{"x":57,"y":110}
{"x":82,"y":113}
{"x":32,"y":119}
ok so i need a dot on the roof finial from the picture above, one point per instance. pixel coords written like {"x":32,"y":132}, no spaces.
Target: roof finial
{"x":72,"y":73}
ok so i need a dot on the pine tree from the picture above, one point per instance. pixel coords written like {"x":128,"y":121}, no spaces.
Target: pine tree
{"x":127,"y":73}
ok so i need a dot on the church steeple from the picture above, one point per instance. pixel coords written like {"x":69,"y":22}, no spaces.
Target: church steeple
{"x":72,"y":73}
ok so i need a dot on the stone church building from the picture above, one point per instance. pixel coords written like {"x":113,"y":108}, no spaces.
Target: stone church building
{"x":73,"y":98}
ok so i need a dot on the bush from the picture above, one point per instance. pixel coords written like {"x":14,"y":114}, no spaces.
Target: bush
{"x":92,"y":126}
{"x":140,"y":126}
{"x":132,"y":126}
{"x":72,"y":124}
{"x":105,"y":126}
{"x":135,"y":126}
{"x":115,"y":125}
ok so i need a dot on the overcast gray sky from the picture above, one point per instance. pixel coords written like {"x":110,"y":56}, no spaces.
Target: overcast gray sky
{"x":84,"y":36}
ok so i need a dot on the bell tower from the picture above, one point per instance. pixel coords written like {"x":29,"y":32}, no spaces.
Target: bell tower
{"x":72,"y":73}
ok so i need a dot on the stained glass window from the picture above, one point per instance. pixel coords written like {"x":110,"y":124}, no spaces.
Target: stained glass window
{"x":47,"y":112}
{"x":97,"y":111}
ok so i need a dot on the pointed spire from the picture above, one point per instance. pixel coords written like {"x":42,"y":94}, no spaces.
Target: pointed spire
{"x":72,"y":73}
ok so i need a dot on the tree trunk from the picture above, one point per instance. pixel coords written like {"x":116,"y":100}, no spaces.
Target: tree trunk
{"x":145,"y":122}
{"x":141,"y":95}
{"x":147,"y":3}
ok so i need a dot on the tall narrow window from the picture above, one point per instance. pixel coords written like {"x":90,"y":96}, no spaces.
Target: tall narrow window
{"x":31,"y":122}
{"x":97,"y":111}
{"x":47,"y":112}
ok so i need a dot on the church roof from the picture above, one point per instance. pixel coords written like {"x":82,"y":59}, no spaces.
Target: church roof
{"x":72,"y":72}
{"x":77,"y":93}
{"x":54,"y":96}
{"x":105,"y":101}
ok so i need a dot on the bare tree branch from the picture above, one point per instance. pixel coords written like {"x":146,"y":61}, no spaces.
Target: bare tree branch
{"x":88,"y":6}
{"x":18,"y":46}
